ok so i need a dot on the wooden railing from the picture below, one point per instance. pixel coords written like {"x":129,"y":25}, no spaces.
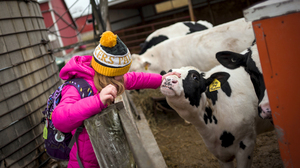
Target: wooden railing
{"x":121,"y":137}
{"x":134,"y":36}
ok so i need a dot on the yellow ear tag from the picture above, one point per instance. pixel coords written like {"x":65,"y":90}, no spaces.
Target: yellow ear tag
{"x":146,"y":67}
{"x":45,"y":132}
{"x":215,"y":85}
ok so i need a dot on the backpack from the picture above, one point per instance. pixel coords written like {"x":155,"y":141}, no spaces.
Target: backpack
{"x":58,"y":144}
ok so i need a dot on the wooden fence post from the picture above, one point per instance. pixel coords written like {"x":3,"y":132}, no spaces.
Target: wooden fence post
{"x":116,"y":138}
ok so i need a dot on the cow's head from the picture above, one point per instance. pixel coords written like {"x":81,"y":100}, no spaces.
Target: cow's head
{"x":250,"y":60}
{"x":139,"y":64}
{"x":148,"y":62}
{"x":187,"y":93}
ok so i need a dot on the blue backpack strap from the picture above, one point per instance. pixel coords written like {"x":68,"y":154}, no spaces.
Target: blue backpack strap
{"x":83,"y":87}
{"x":85,"y":90}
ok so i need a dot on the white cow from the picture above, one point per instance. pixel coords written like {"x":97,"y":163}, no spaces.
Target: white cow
{"x":222,"y":106}
{"x":197,"y":49}
{"x":174,"y":30}
{"x":250,"y":60}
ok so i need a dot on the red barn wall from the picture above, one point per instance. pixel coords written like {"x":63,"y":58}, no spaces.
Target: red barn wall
{"x":80,"y":21}
{"x":67,"y":33}
{"x":47,"y":15}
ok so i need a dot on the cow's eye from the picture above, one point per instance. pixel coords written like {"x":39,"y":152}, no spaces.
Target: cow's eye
{"x":195,"y":77}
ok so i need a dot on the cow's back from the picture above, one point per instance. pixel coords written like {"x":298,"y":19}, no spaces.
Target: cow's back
{"x":197,"y":49}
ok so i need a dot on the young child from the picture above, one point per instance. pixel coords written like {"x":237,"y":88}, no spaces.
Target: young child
{"x":106,"y":72}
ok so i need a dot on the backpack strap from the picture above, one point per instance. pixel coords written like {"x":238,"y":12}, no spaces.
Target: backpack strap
{"x":76,"y":135}
{"x":85,"y":90}
{"x":83,"y":87}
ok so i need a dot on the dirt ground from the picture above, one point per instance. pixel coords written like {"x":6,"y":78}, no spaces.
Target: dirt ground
{"x":182,"y":146}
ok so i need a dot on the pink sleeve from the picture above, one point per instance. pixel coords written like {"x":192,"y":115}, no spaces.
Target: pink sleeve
{"x":72,"y":110}
{"x":141,"y":80}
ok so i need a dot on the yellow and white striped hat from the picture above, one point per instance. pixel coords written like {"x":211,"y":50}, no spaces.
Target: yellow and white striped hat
{"x":111,"y":57}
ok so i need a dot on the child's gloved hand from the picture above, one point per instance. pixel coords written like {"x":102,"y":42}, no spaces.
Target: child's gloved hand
{"x":108,"y":94}
{"x":170,"y":73}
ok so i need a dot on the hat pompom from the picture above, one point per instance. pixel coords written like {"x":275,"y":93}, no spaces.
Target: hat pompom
{"x":108,"y":39}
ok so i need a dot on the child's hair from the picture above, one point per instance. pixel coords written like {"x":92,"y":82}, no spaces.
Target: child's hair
{"x":101,"y":81}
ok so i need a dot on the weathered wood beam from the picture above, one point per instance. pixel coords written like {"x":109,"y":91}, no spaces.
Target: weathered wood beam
{"x":140,"y":154}
{"x":191,"y":10}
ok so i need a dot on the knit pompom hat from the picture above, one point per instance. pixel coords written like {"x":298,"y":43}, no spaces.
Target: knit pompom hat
{"x":111,"y":57}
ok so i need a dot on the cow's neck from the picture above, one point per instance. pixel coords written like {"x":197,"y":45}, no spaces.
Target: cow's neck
{"x":200,"y":125}
{"x":189,"y":112}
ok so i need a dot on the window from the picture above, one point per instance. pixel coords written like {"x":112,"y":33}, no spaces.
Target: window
{"x":170,"y":5}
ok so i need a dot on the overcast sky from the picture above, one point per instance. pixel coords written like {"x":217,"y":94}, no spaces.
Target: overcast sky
{"x":78,"y":8}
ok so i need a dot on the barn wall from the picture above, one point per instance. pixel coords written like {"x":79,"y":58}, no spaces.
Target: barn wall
{"x":84,"y":27}
{"x":48,"y":15}
{"x":217,"y":12}
{"x":67,"y":32}
{"x":120,"y":19}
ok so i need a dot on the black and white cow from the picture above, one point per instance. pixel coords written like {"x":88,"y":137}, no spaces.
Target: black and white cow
{"x":174,"y":30}
{"x":249,"y":59}
{"x":222,"y":106}
{"x":197,"y":49}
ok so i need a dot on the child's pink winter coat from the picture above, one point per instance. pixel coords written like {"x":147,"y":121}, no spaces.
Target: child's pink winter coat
{"x":72,"y":110}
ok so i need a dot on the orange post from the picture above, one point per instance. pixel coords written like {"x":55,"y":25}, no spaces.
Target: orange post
{"x":278,"y":42}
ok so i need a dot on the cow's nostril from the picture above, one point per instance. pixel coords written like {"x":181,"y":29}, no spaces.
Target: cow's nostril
{"x":174,"y":81}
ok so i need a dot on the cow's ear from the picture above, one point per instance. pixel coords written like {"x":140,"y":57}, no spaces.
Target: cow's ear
{"x":231,"y":60}
{"x":142,"y":45}
{"x":163,"y":72}
{"x":146,"y":65}
{"x":218,"y":78}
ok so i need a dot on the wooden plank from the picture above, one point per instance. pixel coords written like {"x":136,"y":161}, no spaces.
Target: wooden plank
{"x":28,"y":24}
{"x":32,"y":39}
{"x":23,"y":39}
{"x":1,"y":99}
{"x":6,"y":75}
{"x":18,"y":25}
{"x":10,"y":89}
{"x":108,"y":139}
{"x":13,"y":8}
{"x":20,"y":70}
{"x":12,"y":43}
{"x":14,"y":102}
{"x":5,"y":60}
{"x":16,"y":57}
{"x":28,"y":54}
{"x":31,"y":9}
{"x":4,"y":120}
{"x":4,"y":10}
{"x":123,"y":98}
{"x":147,"y":136}
{"x":140,"y":154}
{"x":132,"y":105}
{"x":149,"y":141}
{"x":6,"y":26}
{"x":24,"y":9}
{"x":37,"y":9}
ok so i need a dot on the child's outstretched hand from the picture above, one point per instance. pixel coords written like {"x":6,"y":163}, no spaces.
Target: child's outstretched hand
{"x":170,"y":73}
{"x":108,"y":94}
